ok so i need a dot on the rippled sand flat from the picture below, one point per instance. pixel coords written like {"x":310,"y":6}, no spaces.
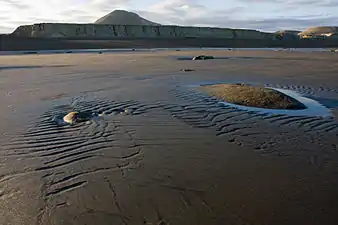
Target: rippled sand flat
{"x":161,"y":152}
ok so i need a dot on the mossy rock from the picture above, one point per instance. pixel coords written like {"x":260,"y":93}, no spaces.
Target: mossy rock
{"x":203,"y":57}
{"x":246,"y":95}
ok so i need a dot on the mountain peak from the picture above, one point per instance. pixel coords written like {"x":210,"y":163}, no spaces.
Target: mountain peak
{"x":123,"y":17}
{"x":121,"y":11}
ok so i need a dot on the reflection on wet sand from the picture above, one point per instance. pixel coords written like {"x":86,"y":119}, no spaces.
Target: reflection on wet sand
{"x":161,"y":152}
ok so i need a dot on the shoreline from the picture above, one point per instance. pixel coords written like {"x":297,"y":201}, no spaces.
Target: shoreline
{"x":139,"y":50}
{"x":10,"y":43}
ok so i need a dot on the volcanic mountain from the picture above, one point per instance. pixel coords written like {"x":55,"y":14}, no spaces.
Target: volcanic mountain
{"x":122,"y":17}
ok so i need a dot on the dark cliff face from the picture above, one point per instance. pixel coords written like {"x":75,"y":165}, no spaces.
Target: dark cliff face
{"x":122,"y":17}
{"x":287,"y":35}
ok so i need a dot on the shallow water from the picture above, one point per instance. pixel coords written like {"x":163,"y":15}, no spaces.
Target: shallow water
{"x":313,"y":107}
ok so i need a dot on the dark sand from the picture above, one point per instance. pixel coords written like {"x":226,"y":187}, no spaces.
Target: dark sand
{"x":12,"y":43}
{"x":171,"y":156}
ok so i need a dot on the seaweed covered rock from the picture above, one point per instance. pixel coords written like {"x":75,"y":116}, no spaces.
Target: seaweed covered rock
{"x":246,"y":95}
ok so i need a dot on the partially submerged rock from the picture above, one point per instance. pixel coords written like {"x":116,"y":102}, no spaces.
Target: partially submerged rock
{"x":246,"y":95}
{"x":187,"y":70}
{"x":77,"y":117}
{"x":203,"y":57}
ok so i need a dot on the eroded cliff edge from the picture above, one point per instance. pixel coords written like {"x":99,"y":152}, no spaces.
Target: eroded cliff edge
{"x":98,"y":31}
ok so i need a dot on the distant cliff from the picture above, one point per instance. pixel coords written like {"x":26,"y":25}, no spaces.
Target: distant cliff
{"x":287,"y":35}
{"x":121,"y":24}
{"x":321,"y":33}
{"x":97,"y":31}
{"x":320,"y":30}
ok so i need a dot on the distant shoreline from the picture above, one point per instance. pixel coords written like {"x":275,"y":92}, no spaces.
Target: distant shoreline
{"x":10,"y":43}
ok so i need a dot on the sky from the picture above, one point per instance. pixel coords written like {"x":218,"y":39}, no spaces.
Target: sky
{"x":264,"y":15}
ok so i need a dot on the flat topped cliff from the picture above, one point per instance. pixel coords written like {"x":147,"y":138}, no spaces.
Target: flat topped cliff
{"x":320,"y":30}
{"x":288,"y":32}
{"x":122,"y":17}
{"x":123,"y":24}
{"x":59,"y":30}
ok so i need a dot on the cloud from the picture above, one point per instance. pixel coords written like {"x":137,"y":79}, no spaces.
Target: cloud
{"x":187,"y":12}
{"x":295,"y":2}
{"x":15,"y":3}
{"x":247,"y":16}
{"x":228,"y":21}
{"x":5,"y":29}
{"x":290,"y":3}
{"x":272,"y":25}
{"x":174,"y":11}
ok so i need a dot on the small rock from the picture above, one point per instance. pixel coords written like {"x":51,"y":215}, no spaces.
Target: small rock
{"x":203,"y":57}
{"x":77,"y":117}
{"x":187,"y":70}
{"x":71,"y":117}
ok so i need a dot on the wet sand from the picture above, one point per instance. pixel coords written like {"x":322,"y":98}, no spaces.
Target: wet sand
{"x":171,"y":155}
{"x":12,"y":43}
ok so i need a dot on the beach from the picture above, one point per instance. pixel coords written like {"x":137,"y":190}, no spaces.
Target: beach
{"x":13,"y":43}
{"x":160,"y":151}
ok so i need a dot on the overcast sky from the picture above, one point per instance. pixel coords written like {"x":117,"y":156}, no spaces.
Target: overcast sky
{"x":266,"y":15}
